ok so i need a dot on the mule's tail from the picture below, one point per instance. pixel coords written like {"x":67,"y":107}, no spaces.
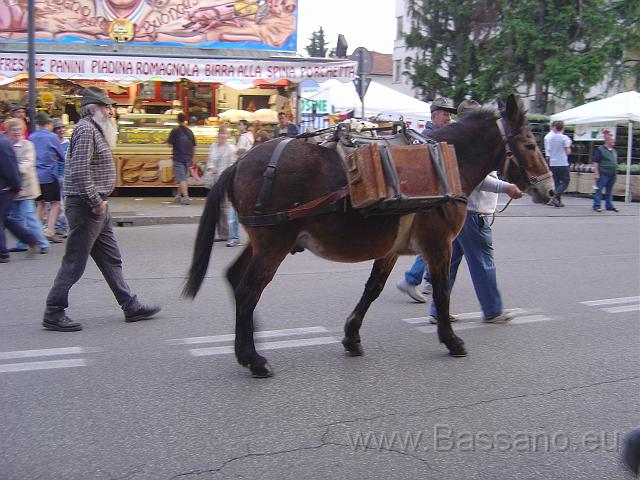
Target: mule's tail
{"x":206,"y":232}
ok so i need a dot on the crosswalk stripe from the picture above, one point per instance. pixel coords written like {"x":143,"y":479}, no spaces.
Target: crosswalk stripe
{"x":44,"y":365}
{"x":611,"y":301}
{"x":459,"y":316}
{"x":289,"y":332}
{"x":303,"y":342}
{"x":45,"y":352}
{"x":472,"y":325}
{"x":624,"y":308}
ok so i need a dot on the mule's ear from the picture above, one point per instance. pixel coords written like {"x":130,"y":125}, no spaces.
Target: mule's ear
{"x":514,"y":111}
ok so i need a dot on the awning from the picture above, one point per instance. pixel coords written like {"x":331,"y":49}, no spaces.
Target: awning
{"x":138,"y":69}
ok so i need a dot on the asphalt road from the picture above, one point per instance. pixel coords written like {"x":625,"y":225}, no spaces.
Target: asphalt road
{"x":550,"y":396}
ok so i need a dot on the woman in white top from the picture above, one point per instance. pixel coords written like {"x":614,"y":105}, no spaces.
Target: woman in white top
{"x":222,"y":155}
{"x":245,"y":139}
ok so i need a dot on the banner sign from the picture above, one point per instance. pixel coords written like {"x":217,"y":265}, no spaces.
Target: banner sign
{"x":137,"y":69}
{"x":592,"y":133}
{"x":248,"y":24}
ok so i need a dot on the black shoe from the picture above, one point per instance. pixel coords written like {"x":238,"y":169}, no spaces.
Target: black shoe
{"x":44,"y":250}
{"x":61,"y":324}
{"x":143,"y":312}
{"x":18,"y":249}
{"x":614,"y":209}
{"x":597,"y":209}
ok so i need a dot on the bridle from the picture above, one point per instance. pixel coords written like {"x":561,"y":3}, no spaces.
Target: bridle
{"x":510,"y":156}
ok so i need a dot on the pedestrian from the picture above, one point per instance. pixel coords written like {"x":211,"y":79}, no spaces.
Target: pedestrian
{"x":605,"y":161}
{"x":20,"y":111}
{"x":243,"y":145}
{"x":183,"y":142}
{"x":90,"y":177}
{"x":136,"y":107}
{"x":475,"y":243}
{"x":222,"y":154}
{"x":10,"y":185}
{"x":48,"y":154}
{"x":176,"y":108}
{"x":23,"y":210}
{"x":549,"y":134}
{"x":559,"y":150}
{"x":62,"y":226}
{"x":441,"y":110}
{"x":284,"y":128}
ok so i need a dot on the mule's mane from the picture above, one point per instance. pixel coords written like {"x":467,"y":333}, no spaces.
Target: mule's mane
{"x":463,"y":132}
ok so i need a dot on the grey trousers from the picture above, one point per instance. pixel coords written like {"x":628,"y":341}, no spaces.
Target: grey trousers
{"x":89,"y":234}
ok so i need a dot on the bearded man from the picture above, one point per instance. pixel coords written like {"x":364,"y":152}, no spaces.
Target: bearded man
{"x":90,"y":176}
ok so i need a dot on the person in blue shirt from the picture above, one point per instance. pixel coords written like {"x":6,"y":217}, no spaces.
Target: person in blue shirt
{"x":48,"y":154}
{"x":59,"y":128}
{"x":284,"y":127}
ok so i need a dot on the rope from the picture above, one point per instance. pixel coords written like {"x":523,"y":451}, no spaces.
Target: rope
{"x":493,"y":216}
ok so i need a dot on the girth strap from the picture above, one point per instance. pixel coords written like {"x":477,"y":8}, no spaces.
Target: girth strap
{"x":268,"y":176}
{"x":325,"y":204}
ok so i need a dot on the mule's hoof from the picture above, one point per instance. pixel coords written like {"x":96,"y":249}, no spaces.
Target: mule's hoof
{"x":353,"y":349}
{"x":261,"y":371}
{"x":456,"y":347}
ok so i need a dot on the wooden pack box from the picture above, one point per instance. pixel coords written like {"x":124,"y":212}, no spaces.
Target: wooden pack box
{"x":366,"y":179}
{"x":417,"y":174}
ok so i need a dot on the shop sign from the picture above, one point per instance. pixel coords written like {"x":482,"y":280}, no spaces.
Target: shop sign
{"x":118,"y":68}
{"x":251,"y":25}
{"x":313,"y":96}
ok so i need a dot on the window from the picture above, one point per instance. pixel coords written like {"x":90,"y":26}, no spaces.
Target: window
{"x":397,"y":70}
{"x":399,"y":28}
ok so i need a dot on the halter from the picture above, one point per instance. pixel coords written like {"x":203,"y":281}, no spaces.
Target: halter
{"x":510,"y":156}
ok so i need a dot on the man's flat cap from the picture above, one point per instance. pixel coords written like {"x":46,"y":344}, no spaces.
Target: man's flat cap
{"x":95,"y":95}
{"x":441,"y":103}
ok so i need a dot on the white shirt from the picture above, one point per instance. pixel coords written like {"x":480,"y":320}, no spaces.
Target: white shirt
{"x":484,"y":197}
{"x":557,"y":154}
{"x":245,"y":142}
{"x":546,"y":142}
{"x":221,"y":156}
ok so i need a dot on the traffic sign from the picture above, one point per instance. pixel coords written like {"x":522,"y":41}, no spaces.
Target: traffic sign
{"x":364,"y":59}
{"x":356,"y":82}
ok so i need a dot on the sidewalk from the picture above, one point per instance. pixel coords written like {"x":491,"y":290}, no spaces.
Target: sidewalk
{"x":139,"y":211}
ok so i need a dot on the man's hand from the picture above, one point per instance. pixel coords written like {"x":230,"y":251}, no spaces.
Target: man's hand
{"x":100,"y":209}
{"x":514,"y":192}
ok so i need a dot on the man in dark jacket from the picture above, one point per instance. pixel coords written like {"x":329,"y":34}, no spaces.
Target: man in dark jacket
{"x":9,"y":187}
{"x":183,"y":142}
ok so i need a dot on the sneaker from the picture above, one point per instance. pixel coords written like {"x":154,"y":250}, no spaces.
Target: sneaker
{"x":5,"y":259}
{"x":233,"y":243}
{"x":53,"y":238}
{"x":143,"y":312}
{"x":17,"y":249}
{"x":44,"y":251}
{"x":427,"y":289}
{"x":411,"y":290}
{"x":177,"y":199}
{"x":613,"y":209}
{"x":185,"y":201}
{"x":61,"y":324}
{"x":560,"y":204}
{"x":434,"y":320}
{"x":598,"y":209}
{"x":504,"y":317}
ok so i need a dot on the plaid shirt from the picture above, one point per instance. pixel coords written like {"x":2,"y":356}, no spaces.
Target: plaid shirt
{"x":90,"y":171}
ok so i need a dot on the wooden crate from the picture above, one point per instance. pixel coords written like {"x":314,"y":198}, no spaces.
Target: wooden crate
{"x":366,"y":178}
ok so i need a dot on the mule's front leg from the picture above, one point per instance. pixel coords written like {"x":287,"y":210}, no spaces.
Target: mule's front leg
{"x":377,"y":279}
{"x":441,"y":281}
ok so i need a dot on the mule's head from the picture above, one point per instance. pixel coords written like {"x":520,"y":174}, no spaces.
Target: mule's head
{"x":524,"y":164}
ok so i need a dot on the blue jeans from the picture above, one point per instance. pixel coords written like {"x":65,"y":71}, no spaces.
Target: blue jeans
{"x":605,"y":182}
{"x":417,"y":272}
{"x":560,"y":179}
{"x":475,"y":242}
{"x":24,"y":213}
{"x":232,"y":219}
{"x":18,"y":231}
{"x":61,"y":226}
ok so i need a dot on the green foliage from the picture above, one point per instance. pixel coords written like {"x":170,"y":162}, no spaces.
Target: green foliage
{"x":543,"y":48}
{"x":317,"y":44}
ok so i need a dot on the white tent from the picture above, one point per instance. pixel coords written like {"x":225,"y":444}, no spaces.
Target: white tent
{"x":379,"y":101}
{"x":624,"y":107}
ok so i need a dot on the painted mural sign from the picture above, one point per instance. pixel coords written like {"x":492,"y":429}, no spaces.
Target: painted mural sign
{"x":251,"y":24}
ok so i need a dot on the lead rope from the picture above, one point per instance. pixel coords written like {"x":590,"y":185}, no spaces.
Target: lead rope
{"x":493,"y":215}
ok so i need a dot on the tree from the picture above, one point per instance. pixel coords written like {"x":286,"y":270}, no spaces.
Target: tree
{"x":540,"y":48}
{"x":317,"y":45}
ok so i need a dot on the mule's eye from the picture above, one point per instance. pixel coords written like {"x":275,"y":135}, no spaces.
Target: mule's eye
{"x":530,"y":146}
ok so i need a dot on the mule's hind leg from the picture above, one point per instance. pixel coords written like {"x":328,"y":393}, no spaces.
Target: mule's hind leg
{"x":377,"y":279}
{"x":258,"y":272}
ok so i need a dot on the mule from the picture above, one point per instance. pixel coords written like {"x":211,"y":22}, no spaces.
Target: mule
{"x":307,"y":171}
